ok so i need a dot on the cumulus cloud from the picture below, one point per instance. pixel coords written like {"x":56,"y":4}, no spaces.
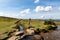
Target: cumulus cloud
{"x":36,"y":1}
{"x":48,"y":8}
{"x":4,"y":14}
{"x":13,"y":15}
{"x":58,"y":8}
{"x":41,"y":8}
{"x":42,"y":16}
{"x":24,"y":12}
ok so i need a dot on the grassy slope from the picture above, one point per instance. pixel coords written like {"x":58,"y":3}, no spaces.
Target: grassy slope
{"x":5,"y":23}
{"x":35,"y":23}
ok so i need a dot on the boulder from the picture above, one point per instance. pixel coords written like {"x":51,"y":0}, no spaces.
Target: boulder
{"x":19,"y":33}
{"x":29,"y":31}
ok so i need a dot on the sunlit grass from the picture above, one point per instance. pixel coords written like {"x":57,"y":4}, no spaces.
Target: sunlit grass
{"x":6,"y":23}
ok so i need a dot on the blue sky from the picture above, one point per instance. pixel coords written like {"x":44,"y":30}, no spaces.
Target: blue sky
{"x":35,"y":9}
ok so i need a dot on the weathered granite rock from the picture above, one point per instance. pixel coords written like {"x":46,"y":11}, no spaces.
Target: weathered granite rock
{"x":29,"y":31}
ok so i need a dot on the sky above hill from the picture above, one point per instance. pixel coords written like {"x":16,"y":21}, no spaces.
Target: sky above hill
{"x":34,"y":9}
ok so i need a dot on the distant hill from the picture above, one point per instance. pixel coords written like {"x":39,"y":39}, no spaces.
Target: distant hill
{"x":2,"y":17}
{"x":7,"y":18}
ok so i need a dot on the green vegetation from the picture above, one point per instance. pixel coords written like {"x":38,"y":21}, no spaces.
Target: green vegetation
{"x":51,"y":24}
{"x":6,"y":25}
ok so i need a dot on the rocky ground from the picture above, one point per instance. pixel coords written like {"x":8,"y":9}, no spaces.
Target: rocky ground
{"x":33,"y":34}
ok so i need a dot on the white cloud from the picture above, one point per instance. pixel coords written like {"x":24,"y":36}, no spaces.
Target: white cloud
{"x":58,"y":8}
{"x":1,"y":13}
{"x":36,"y":1}
{"x":16,"y":15}
{"x":24,"y":12}
{"x":42,"y":16}
{"x":9,"y":15}
{"x":48,"y":8}
{"x":41,"y":8}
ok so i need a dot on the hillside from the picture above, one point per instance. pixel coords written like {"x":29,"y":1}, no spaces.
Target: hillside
{"x":6,"y":23}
